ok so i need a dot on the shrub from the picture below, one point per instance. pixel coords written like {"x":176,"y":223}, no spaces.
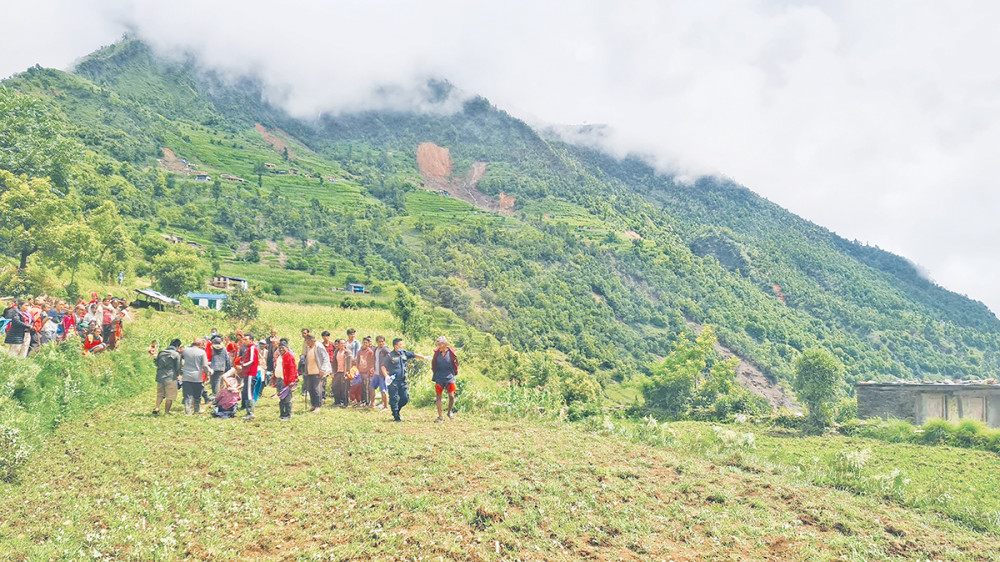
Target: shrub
{"x":937,"y":431}
{"x":13,"y":453}
{"x":969,"y":433}
{"x":818,"y":376}
{"x":891,"y":430}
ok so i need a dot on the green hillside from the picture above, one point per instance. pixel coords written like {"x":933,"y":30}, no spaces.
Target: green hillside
{"x":600,"y":264}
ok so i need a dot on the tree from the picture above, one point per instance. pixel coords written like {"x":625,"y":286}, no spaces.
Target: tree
{"x":414,"y":322}
{"x":241,"y":306}
{"x":260,"y":169}
{"x":112,"y":246}
{"x":29,"y":211}
{"x":178,"y":271}
{"x":216,"y":189}
{"x":818,"y":375}
{"x":32,"y":142}
{"x":74,"y":248}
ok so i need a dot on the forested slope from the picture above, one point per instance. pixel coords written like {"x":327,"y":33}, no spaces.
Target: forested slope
{"x":600,"y":267}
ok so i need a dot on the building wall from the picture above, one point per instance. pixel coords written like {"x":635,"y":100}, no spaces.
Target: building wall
{"x":918,"y":404}
{"x":875,"y":402}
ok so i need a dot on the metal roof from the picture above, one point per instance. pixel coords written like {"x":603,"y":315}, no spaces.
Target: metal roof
{"x":209,"y":296}
{"x":158,"y":296}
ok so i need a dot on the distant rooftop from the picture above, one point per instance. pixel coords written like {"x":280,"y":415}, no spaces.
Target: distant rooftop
{"x":990,"y":383}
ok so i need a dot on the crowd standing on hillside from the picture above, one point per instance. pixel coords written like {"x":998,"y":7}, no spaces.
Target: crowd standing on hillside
{"x":238,"y":369}
{"x":98,"y":324}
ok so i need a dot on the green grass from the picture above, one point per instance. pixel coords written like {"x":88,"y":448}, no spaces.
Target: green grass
{"x":961,"y":484}
{"x":352,"y":485}
{"x":508,"y":479}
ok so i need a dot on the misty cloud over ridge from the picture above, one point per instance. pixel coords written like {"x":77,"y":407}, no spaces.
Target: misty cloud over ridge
{"x":877,"y":120}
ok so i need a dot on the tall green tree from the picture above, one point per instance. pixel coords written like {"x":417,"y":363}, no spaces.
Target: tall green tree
{"x":113,"y":248}
{"x":32,"y":140}
{"x":817,"y":382}
{"x":179,"y":270}
{"x":29,"y":212}
{"x":406,"y":307}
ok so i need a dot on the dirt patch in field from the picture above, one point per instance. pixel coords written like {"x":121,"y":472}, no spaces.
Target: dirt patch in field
{"x":277,"y":143}
{"x":171,"y":163}
{"x":633,"y":235}
{"x":436,"y":169}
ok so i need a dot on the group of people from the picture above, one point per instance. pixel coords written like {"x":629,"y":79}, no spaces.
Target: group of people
{"x":28,"y":324}
{"x":237,"y":370}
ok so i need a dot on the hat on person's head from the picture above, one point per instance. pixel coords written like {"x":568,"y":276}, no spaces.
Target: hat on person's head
{"x":442,"y":339}
{"x":283,"y":341}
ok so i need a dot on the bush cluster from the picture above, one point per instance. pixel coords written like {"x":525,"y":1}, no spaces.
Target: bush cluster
{"x":969,"y":434}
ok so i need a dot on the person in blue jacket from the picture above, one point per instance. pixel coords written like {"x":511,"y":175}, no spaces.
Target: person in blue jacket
{"x":395,"y":373}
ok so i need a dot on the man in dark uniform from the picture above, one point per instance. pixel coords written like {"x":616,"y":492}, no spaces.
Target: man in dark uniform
{"x":395,"y":372}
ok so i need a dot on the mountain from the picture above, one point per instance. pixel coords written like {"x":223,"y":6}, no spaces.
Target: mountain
{"x":583,"y":266}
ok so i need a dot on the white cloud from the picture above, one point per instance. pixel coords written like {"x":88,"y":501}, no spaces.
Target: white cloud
{"x":875,"y":119}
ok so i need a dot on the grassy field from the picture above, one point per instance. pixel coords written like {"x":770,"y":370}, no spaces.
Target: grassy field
{"x":503,"y":481}
{"x":349,"y":484}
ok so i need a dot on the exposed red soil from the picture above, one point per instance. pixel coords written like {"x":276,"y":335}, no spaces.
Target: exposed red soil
{"x":436,"y":167}
{"x":277,"y":143}
{"x":171,"y":163}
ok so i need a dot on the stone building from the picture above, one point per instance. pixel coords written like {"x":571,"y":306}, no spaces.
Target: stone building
{"x":919,"y":401}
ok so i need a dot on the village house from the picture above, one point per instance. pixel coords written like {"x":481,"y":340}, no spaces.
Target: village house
{"x":226,"y":282}
{"x":208,"y":300}
{"x":918,"y":402}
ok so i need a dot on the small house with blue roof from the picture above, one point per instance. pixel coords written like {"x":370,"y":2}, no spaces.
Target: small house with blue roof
{"x":208,"y":300}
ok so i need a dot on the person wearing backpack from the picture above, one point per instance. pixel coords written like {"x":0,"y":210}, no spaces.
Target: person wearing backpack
{"x":444,"y":364}
{"x":220,"y":363}
{"x":168,"y":369}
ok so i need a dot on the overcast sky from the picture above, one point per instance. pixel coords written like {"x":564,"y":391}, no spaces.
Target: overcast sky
{"x":878,"y":120}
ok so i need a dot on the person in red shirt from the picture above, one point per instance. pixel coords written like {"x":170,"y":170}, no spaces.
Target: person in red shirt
{"x":93,"y":344}
{"x":286,"y":375}
{"x":365,"y":362}
{"x":249,"y":363}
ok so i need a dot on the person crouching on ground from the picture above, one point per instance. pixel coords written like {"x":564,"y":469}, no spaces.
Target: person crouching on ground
{"x":168,"y":368}
{"x":399,"y":390}
{"x":93,"y":343}
{"x":194,"y":365}
{"x":445,"y":367}
{"x":286,"y":374}
{"x":230,"y":386}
